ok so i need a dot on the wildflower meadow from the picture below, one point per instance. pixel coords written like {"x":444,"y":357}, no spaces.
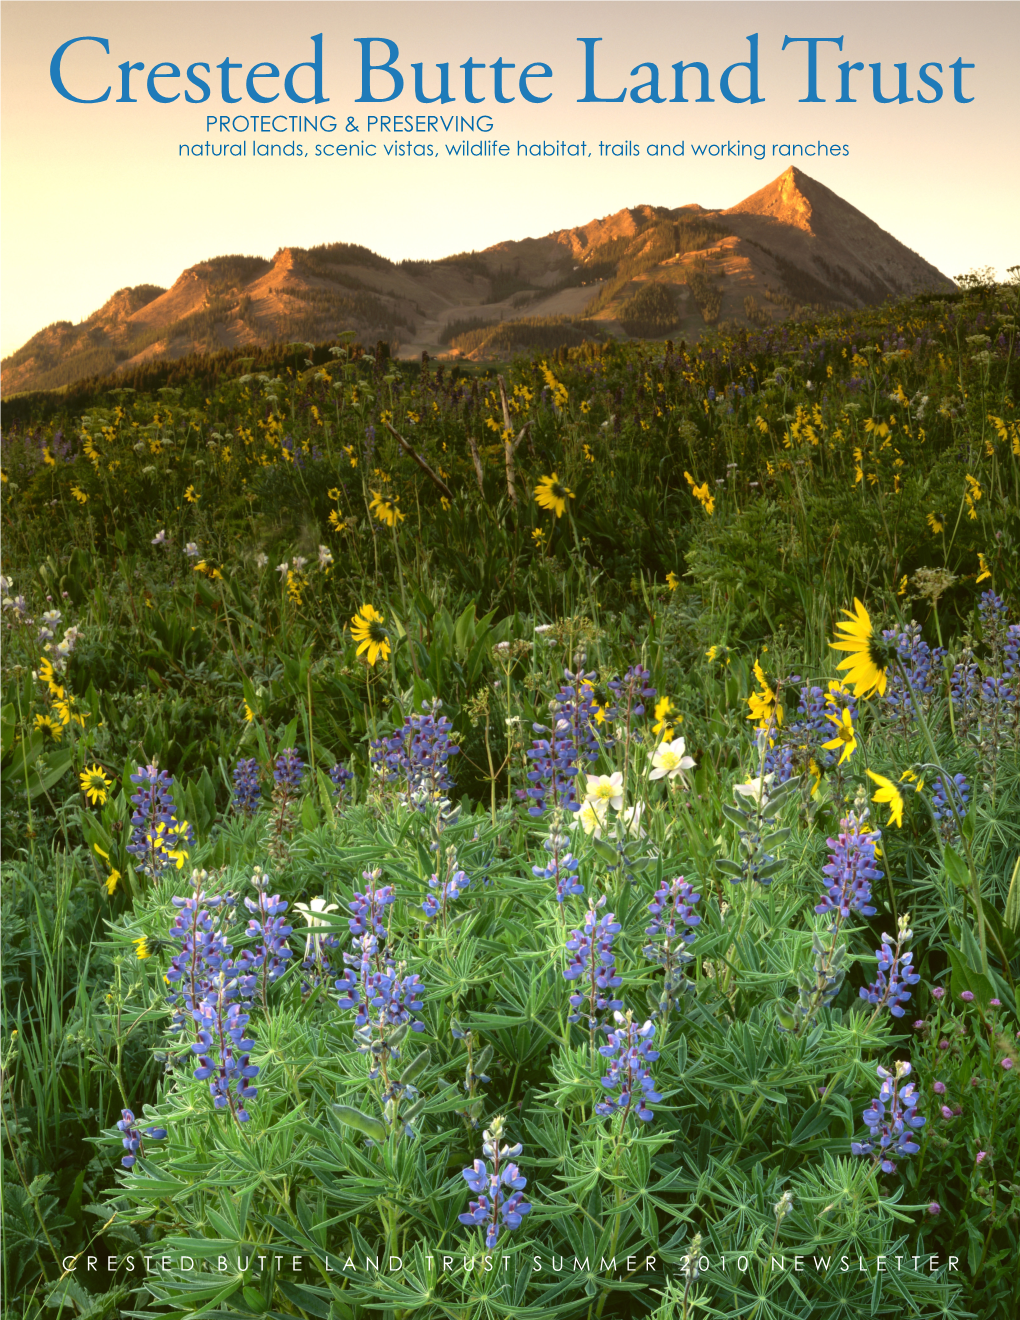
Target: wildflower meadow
{"x":527,"y":840}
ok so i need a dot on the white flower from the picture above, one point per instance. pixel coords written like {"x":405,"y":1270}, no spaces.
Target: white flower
{"x":325,"y":556}
{"x":592,"y":818}
{"x":283,"y":568}
{"x":755,"y":789}
{"x":6,"y":583}
{"x":299,"y":563}
{"x":160,"y":537}
{"x":632,"y":820}
{"x":606,"y":788}
{"x":191,"y":549}
{"x":669,"y":760}
{"x":544,"y":628}
{"x":261,"y":559}
{"x":311,"y":912}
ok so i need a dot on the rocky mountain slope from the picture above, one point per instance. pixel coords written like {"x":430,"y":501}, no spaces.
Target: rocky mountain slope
{"x":645,"y":271}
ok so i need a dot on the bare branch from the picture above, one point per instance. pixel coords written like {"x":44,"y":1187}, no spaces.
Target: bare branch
{"x":429,"y":472}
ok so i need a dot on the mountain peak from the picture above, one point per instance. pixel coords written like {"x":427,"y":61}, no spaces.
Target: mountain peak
{"x":787,"y":199}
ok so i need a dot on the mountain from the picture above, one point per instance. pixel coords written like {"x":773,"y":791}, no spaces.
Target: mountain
{"x":646,"y":271}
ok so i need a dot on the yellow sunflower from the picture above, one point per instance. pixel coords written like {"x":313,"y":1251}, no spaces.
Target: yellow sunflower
{"x":868,"y":660}
{"x":845,"y":737}
{"x":764,"y":704}
{"x":552,"y":494}
{"x":368,"y":631}
{"x":385,"y":509}
{"x":889,"y":794}
{"x":94,"y":784}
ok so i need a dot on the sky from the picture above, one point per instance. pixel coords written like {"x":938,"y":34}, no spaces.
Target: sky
{"x":99,"y":196}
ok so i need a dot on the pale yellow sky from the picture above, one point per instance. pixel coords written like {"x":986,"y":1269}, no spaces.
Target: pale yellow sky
{"x":97,"y":196}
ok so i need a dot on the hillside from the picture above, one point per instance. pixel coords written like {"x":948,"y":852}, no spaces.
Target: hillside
{"x":645,"y":271}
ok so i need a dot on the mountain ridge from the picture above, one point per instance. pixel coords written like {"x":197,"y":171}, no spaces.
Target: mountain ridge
{"x":644,"y":270}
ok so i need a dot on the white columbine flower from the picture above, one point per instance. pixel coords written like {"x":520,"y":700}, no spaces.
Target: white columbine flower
{"x":261,"y":559}
{"x":325,"y":556}
{"x":668,"y":760}
{"x":311,"y":913}
{"x":632,"y":820}
{"x":160,"y":537}
{"x":591,"y":818}
{"x":191,"y":549}
{"x":283,"y":568}
{"x":755,"y":789}
{"x":299,"y":563}
{"x":606,"y":788}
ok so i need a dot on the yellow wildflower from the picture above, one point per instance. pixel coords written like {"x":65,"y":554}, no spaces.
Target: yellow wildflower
{"x":889,"y":794}
{"x":368,"y":631}
{"x":552,"y":494}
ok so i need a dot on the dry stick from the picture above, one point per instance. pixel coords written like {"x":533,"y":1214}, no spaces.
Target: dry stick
{"x":509,"y":447}
{"x":421,"y":462}
{"x":476,"y":458}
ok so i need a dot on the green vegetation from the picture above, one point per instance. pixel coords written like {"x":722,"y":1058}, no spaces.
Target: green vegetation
{"x":650,"y":313}
{"x":624,"y":560}
{"x":541,"y":333}
{"x":655,"y":242}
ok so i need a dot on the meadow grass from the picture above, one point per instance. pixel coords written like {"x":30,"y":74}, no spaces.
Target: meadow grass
{"x":526,"y":675}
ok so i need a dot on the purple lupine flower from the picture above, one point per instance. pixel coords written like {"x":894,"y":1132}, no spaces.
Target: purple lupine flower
{"x":593,"y":963}
{"x":247,"y":791}
{"x":851,"y":870}
{"x":224,"y":1052}
{"x":672,"y":909}
{"x":288,"y":770}
{"x":205,"y":951}
{"x":895,"y":973}
{"x":553,"y":775}
{"x":447,"y":892}
{"x":268,"y":922}
{"x":892,"y":1127}
{"x":341,"y":777}
{"x":157,"y":839}
{"x":632,"y":691}
{"x":369,"y":907}
{"x":797,"y":743}
{"x":942,"y":803}
{"x":374,"y":984}
{"x":501,"y":1192}
{"x":132,"y":1139}
{"x":418,"y":752}
{"x":562,"y":867}
{"x":920,"y":663}
{"x":209,"y":989}
{"x":575,"y":704}
{"x":992,"y":613}
{"x":629,"y":1051}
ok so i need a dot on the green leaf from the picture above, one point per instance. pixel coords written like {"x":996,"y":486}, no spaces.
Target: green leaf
{"x":8,"y":722}
{"x":735,"y":816}
{"x":964,"y":978}
{"x":971,"y":949}
{"x":729,"y":867}
{"x":309,"y":816}
{"x":1013,"y":901}
{"x":956,"y":868}
{"x":325,"y":788}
